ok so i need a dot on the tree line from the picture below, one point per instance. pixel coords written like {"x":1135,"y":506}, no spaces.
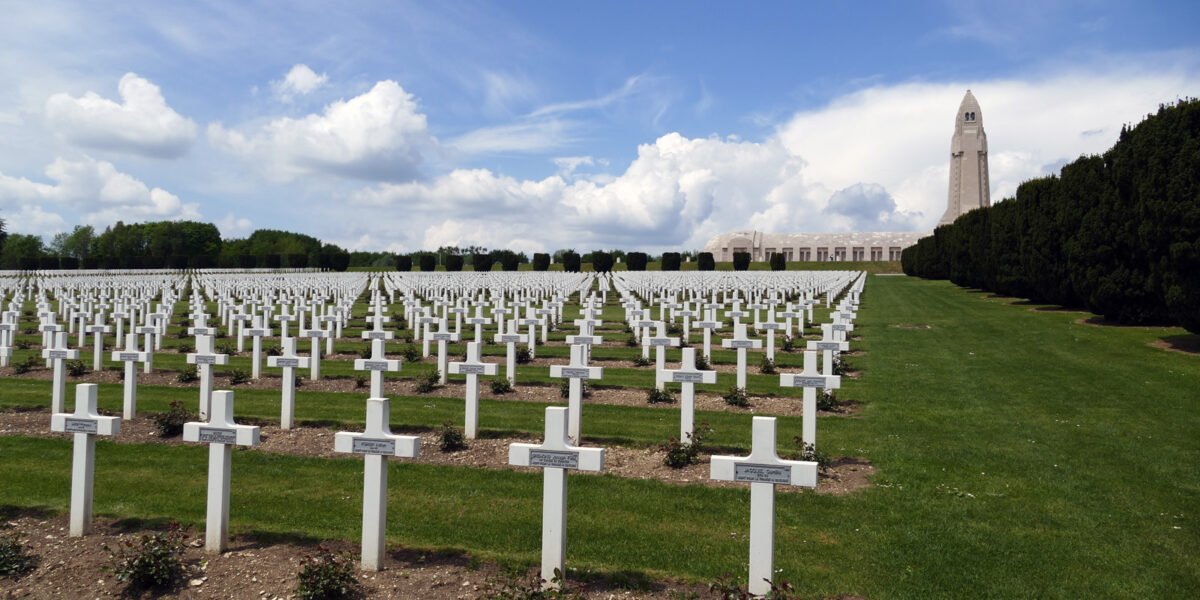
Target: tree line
{"x":1116,"y":234}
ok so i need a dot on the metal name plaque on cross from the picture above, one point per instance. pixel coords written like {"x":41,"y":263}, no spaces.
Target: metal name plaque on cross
{"x":206,"y":360}
{"x":808,"y":382}
{"x":217,"y":436}
{"x":576,"y":373}
{"x":586,"y":340}
{"x":511,"y":339}
{"x":287,"y":362}
{"x":363,"y":446}
{"x":79,"y":426}
{"x":442,"y":337}
{"x":678,"y":377}
{"x":470,"y":369}
{"x":829,"y":345}
{"x":660,"y":341}
{"x":128,"y":356}
{"x":58,"y":354}
{"x":375,"y":335}
{"x":741,"y":343}
{"x":839,"y":327}
{"x":766,"y":326}
{"x":375,"y":365}
{"x":644,"y":323}
{"x":762,"y":473}
{"x":203,"y":331}
{"x":554,"y":458}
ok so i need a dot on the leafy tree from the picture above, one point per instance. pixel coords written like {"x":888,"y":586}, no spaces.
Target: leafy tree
{"x":297,"y":261}
{"x":19,"y":246}
{"x":339,"y":261}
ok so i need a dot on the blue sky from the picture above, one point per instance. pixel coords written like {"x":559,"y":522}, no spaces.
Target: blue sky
{"x":545,"y":125}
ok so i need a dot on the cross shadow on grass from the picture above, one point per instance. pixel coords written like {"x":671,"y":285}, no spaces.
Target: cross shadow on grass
{"x":1188,"y":343}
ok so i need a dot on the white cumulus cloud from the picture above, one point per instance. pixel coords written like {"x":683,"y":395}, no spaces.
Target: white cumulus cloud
{"x":299,"y":81}
{"x":379,"y":135}
{"x":142,"y":123}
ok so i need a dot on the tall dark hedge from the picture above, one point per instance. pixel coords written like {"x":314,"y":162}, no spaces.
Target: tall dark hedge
{"x":670,"y":261}
{"x":636,"y":261}
{"x":339,"y":261}
{"x":403,"y":262}
{"x":454,"y":262}
{"x":248,"y":261}
{"x":1117,"y":234}
{"x":272,"y":261}
{"x":705,"y":262}
{"x":178,"y":261}
{"x":510,"y":261}
{"x":570,"y":261}
{"x":482,"y":262}
{"x":427,"y":262}
{"x":68,"y":263}
{"x":541,"y":261}
{"x":741,"y":261}
{"x":602,"y":262}
{"x":778,"y":261}
{"x":296,"y":260}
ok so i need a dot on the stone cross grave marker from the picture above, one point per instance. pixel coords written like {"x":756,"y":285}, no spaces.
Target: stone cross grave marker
{"x":130,"y":356}
{"x":555,"y":455}
{"x":479,"y":321}
{"x":257,"y":333}
{"x":289,"y":362}
{"x":98,"y":328}
{"x":8,"y":329}
{"x":85,"y":423}
{"x":688,"y":376}
{"x":770,"y":326}
{"x":810,"y":379}
{"x":646,"y":327}
{"x":442,"y":336}
{"x":284,"y":319}
{"x":828,"y":347}
{"x":790,"y":313}
{"x":376,"y":444}
{"x":204,"y":358}
{"x":316,"y":335}
{"x":532,"y":322}
{"x":472,"y":367}
{"x":547,"y":317}
{"x":737,"y":314}
{"x":240,"y":319}
{"x":740,"y":342}
{"x":510,"y":340}
{"x":708,"y":325}
{"x":221,"y":434}
{"x":764,"y":470}
{"x":59,"y":354}
{"x":149,"y":332}
{"x":576,"y":372}
{"x":377,"y":365}
{"x":328,"y":323}
{"x":660,"y":343}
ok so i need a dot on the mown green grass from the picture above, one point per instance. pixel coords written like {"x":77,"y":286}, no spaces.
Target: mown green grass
{"x":1020,"y":455}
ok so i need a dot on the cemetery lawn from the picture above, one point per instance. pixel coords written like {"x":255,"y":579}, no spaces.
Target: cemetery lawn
{"x":1021,"y":455}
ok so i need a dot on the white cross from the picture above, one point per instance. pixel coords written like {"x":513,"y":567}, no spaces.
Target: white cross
{"x":576,"y":371}
{"x":688,"y":375}
{"x":737,"y":314}
{"x":150,"y":332}
{"x":741,"y":343}
{"x":98,"y":329}
{"x":660,"y":343}
{"x":316,"y":335}
{"x":555,"y":455}
{"x":792,"y":313}
{"x":240,"y":319}
{"x":85,"y":422}
{"x":376,"y":444}
{"x":810,"y":380}
{"x":442,"y":336}
{"x":532,"y":322}
{"x":644,"y":326}
{"x":511,"y":340}
{"x":129,"y":356}
{"x":377,"y":364}
{"x":221,"y":434}
{"x":204,"y":358}
{"x":284,"y":319}
{"x":473,"y":367}
{"x":257,"y":333}
{"x":764,"y":470}
{"x":59,"y":353}
{"x":479,"y":321}
{"x":289,"y":362}
{"x":708,"y":326}
{"x":828,"y":347}
{"x":8,"y":329}
{"x":770,"y":326}
{"x":425,"y":321}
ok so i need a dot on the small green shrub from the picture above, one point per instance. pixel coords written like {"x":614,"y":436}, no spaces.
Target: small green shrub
{"x":809,"y":452}
{"x":523,"y":356}
{"x":641,"y":361}
{"x":183,"y":348}
{"x":657,"y":396}
{"x":451,"y":438}
{"x":30,"y":363}
{"x":75,"y":368}
{"x":364,"y":353}
{"x":736,"y":396}
{"x":702,"y":363}
{"x":16,"y":559}
{"x":326,"y":576}
{"x":360,"y":380}
{"x":767,"y":366}
{"x":564,"y":388}
{"x":238,"y":377}
{"x":170,"y":423}
{"x":153,"y":562}
{"x":274,"y":350}
{"x":680,"y":454}
{"x":789,"y":344}
{"x":411,"y":354}
{"x":827,"y":400}
{"x":528,"y":586}
{"x":839,"y":366}
{"x":728,"y":588}
{"x":188,"y":374}
{"x":501,"y":386}
{"x":22,"y":344}
{"x":227,"y":348}
{"x":427,"y":383}
{"x":632,"y":341}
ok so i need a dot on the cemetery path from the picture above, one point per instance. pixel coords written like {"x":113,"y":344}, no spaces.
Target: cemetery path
{"x":846,"y":475}
{"x":71,"y":568}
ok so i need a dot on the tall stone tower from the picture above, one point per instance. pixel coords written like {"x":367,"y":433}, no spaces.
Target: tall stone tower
{"x":969,"y":187}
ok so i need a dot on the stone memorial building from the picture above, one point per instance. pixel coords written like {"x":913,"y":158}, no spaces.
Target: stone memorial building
{"x":968,"y":190}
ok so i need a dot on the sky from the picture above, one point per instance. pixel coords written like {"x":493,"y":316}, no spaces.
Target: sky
{"x":543,"y":125}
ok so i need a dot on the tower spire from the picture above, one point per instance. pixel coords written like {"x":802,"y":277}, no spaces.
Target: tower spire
{"x":969,"y":185}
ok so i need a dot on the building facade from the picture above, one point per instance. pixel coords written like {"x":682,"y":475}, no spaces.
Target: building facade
{"x":968,"y":190}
